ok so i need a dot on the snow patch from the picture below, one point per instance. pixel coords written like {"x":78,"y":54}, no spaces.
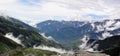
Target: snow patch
{"x":108,"y":26}
{"x":84,"y":40}
{"x":105,"y":35}
{"x":88,"y":47}
{"x":109,"y":23}
{"x":90,"y":50}
{"x":92,"y":24}
{"x":117,"y":25}
{"x":112,"y":23}
{"x":99,"y":28}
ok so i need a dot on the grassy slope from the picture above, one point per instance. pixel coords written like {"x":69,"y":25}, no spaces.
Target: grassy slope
{"x":3,"y":48}
{"x":11,"y":48}
{"x":29,"y":39}
{"x":30,"y":51}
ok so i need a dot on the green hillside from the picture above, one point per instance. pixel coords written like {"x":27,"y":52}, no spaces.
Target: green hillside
{"x":29,"y":39}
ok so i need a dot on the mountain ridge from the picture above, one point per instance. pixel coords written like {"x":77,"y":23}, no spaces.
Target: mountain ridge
{"x":69,"y":30}
{"x":29,"y":37}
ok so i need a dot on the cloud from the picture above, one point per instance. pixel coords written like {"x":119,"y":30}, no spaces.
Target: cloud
{"x":41,"y":10}
{"x":50,"y":49}
{"x":16,"y":39}
{"x":48,"y":37}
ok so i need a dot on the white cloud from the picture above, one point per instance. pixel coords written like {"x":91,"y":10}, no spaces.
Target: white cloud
{"x":48,"y":37}
{"x":50,"y":49}
{"x":8,"y":1}
{"x":16,"y":39}
{"x":40,"y":10}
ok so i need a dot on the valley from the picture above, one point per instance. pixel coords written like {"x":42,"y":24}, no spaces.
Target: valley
{"x":20,"y":39}
{"x":70,"y":33}
{"x":60,"y":28}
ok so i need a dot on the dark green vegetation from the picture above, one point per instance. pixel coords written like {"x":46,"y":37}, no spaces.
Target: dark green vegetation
{"x":38,"y":52}
{"x":29,"y":38}
{"x":111,"y":46}
{"x":23,"y":24}
{"x":9,"y":47}
{"x":113,"y":51}
{"x":30,"y":52}
{"x":7,"y":44}
{"x":109,"y":43}
{"x":69,"y":32}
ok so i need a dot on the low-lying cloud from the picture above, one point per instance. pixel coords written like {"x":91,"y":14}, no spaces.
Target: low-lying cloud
{"x":16,"y":39}
{"x":50,"y":49}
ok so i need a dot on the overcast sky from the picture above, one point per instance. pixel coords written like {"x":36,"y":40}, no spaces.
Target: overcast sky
{"x":33,"y":11}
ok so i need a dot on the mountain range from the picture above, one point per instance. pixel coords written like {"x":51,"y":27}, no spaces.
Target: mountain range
{"x":95,"y":36}
{"x":69,"y":33}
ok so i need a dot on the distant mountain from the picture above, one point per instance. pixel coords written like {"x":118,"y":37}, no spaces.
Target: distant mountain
{"x":23,"y":34}
{"x":69,"y":32}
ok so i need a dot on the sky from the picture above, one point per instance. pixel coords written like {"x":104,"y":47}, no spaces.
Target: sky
{"x":34,"y":11}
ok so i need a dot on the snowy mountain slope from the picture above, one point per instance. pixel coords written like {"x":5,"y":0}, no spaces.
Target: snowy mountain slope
{"x":66,"y":32}
{"x":110,"y":45}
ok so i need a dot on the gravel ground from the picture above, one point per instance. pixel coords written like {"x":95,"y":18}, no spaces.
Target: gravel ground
{"x":82,"y":53}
